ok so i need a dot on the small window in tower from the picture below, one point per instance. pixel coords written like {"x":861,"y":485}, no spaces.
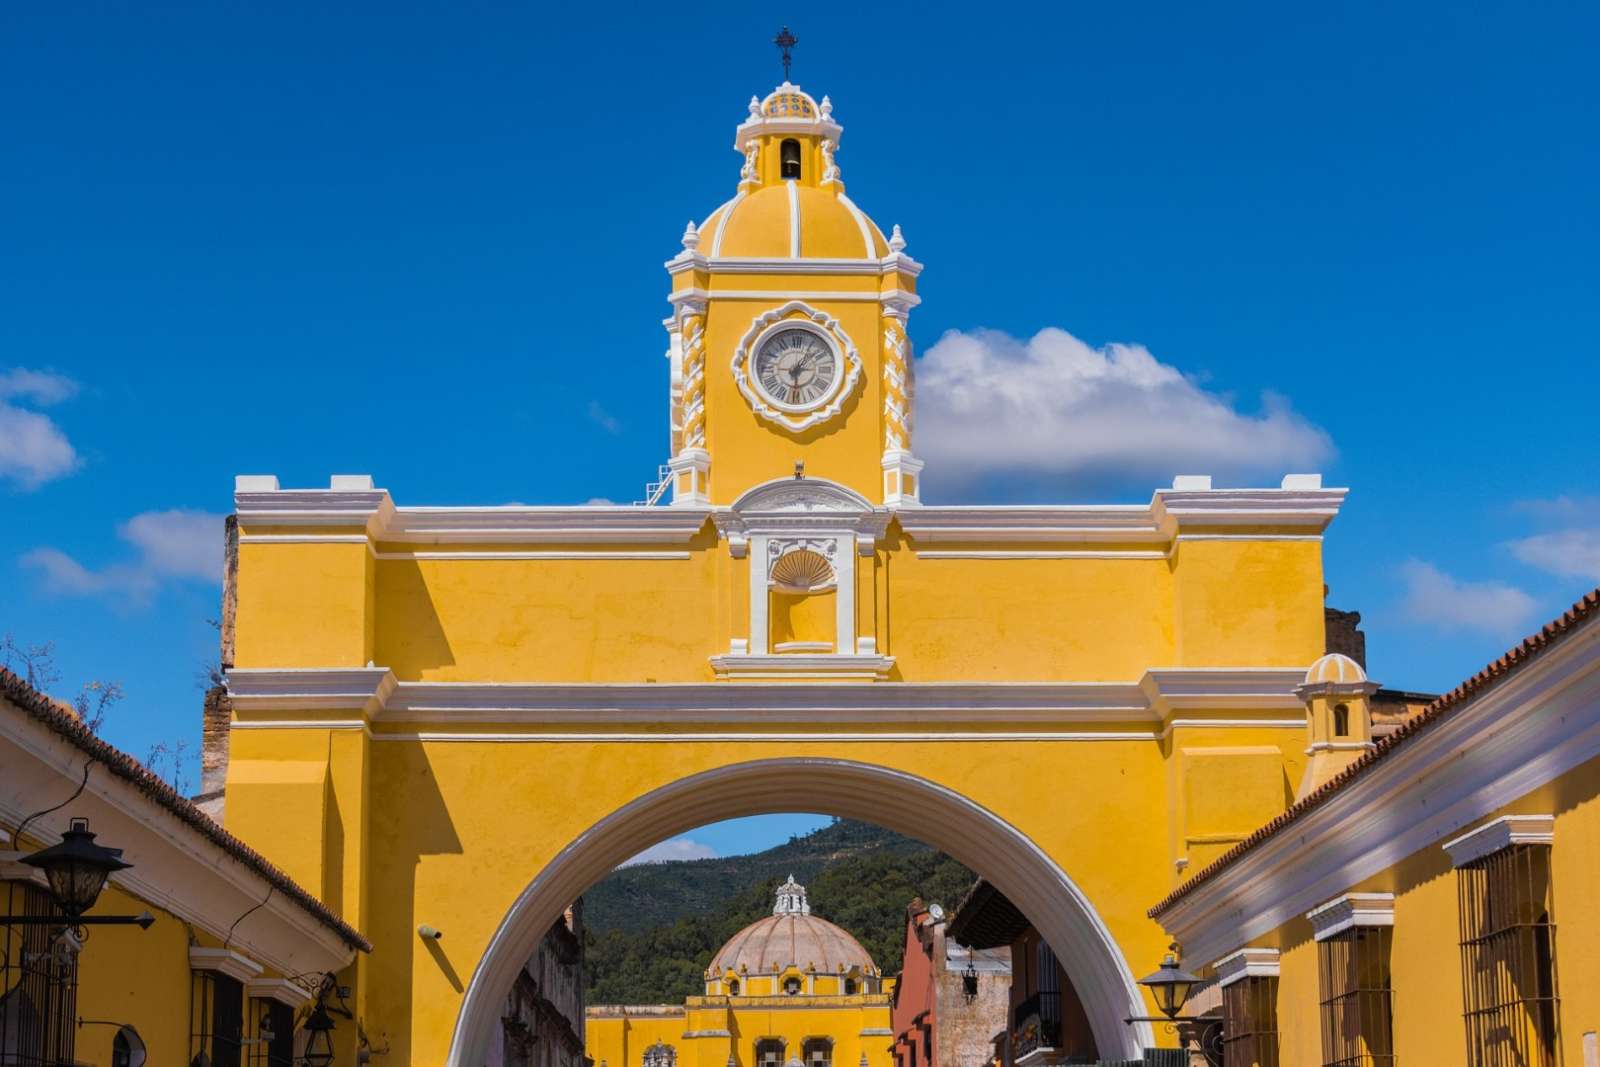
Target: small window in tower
{"x":733,"y":987}
{"x":849,"y":987}
{"x":791,"y":985}
{"x":789,"y":158}
{"x":1341,"y":720}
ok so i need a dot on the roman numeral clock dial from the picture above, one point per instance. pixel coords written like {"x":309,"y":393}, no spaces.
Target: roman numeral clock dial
{"x":796,"y":369}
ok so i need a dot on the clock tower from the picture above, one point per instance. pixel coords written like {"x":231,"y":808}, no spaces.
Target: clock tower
{"x":788,"y":330}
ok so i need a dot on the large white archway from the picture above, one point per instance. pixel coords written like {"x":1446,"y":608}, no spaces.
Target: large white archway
{"x":849,"y":789}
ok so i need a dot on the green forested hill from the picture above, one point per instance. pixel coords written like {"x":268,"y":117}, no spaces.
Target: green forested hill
{"x":653,"y":927}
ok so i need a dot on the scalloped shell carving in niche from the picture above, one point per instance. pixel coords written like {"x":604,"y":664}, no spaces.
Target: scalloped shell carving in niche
{"x":801,"y":571}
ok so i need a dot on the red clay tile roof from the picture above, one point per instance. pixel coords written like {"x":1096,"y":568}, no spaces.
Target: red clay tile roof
{"x":66,"y":725}
{"x":1531,"y":648}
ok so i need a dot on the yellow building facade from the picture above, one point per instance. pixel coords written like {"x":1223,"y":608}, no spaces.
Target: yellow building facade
{"x":231,"y":954}
{"x":1430,"y":901}
{"x":788,"y":989}
{"x":462,"y":717}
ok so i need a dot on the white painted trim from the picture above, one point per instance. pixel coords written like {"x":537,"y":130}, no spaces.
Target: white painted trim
{"x":869,"y":737}
{"x":794,"y":218}
{"x":1531,"y":727}
{"x":1037,"y":553}
{"x":489,"y":554}
{"x":1248,"y":537}
{"x":890,"y":297}
{"x":727,"y":210}
{"x":801,"y":665}
{"x":1350,"y":911}
{"x":811,"y":265}
{"x":300,"y":724}
{"x":1500,"y":834}
{"x":970,"y":833}
{"x":1160,"y":695}
{"x":305,"y":539}
{"x":1247,"y":963}
{"x":224,"y":961}
{"x":280,"y":989}
{"x":870,"y":248}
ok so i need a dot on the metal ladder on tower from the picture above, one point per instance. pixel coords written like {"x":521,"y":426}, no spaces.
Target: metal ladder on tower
{"x":654,"y":491}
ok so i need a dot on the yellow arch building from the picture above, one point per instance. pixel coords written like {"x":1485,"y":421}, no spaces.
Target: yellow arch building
{"x":462,"y":717}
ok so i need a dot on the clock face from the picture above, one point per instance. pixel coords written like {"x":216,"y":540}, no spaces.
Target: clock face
{"x":796,"y":369}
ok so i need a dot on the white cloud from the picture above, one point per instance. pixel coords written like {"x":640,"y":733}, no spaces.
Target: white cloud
{"x":991,"y":403}
{"x":176,"y":544}
{"x":599,"y":502}
{"x":1437,"y":599}
{"x":33,"y":449}
{"x":603,"y":418}
{"x":677,"y":848}
{"x":1570,"y":552}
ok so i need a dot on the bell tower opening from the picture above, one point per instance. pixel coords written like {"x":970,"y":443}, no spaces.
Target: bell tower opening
{"x":789,"y":158}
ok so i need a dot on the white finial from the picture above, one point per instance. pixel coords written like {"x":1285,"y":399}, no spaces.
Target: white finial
{"x":826,"y":107}
{"x":897,"y":240}
{"x":791,"y":899}
{"x":755,"y":108}
{"x":691,"y":237}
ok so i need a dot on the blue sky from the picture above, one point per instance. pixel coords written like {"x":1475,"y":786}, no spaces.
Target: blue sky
{"x":427,"y":244}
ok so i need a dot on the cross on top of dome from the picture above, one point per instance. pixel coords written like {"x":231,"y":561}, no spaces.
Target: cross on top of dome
{"x":791,"y":899}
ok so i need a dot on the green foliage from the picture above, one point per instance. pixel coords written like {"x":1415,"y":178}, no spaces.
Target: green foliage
{"x":652,"y":928}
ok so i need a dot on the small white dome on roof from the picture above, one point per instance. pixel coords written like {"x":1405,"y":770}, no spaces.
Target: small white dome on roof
{"x":1336,"y":668}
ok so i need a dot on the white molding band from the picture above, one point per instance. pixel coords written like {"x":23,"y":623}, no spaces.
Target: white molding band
{"x":280,"y":989}
{"x":224,"y":961}
{"x":1500,"y":834}
{"x":1247,"y":963}
{"x":1160,"y":522}
{"x":1350,"y":911}
{"x":1157,"y":698}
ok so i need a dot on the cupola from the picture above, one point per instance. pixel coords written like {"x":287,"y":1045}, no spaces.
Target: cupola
{"x":791,"y":953}
{"x":1338,"y":718}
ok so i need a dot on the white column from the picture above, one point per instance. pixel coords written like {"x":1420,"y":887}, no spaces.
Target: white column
{"x":758,"y":594}
{"x":844,"y":566}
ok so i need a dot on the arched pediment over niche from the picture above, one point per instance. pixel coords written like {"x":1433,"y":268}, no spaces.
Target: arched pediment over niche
{"x":784,"y":496}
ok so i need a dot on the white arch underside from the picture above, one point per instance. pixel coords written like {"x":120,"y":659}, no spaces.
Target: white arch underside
{"x":902,"y":802}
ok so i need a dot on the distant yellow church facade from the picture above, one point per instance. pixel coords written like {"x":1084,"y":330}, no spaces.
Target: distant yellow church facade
{"x":790,"y":989}
{"x":460,"y":718}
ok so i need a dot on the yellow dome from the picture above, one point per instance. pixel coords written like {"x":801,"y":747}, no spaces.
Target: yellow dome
{"x":789,"y":220}
{"x":790,"y":937}
{"x":1335,"y":668}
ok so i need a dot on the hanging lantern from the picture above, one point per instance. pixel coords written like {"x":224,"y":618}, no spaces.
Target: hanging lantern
{"x":77,"y":868}
{"x":319,"y":1038}
{"x":1170,"y":986}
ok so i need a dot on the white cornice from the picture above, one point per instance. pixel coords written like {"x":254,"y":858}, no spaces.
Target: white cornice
{"x":1151,"y":700}
{"x":1247,"y":963}
{"x":1500,"y":834}
{"x":1531,"y":727}
{"x":280,"y":989}
{"x":373,"y":512}
{"x":1312,"y":508}
{"x":1160,"y":522}
{"x":890,"y":264}
{"x":223,"y":961}
{"x":1349,"y":911}
{"x":803,"y":665}
{"x":897,"y":299}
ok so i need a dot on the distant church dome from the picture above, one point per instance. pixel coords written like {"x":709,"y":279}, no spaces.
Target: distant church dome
{"x":790,"y":937}
{"x":790,"y":202}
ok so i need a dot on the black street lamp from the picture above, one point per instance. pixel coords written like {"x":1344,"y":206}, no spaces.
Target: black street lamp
{"x":1170,"y":985}
{"x":319,"y":1037}
{"x":77,"y":869}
